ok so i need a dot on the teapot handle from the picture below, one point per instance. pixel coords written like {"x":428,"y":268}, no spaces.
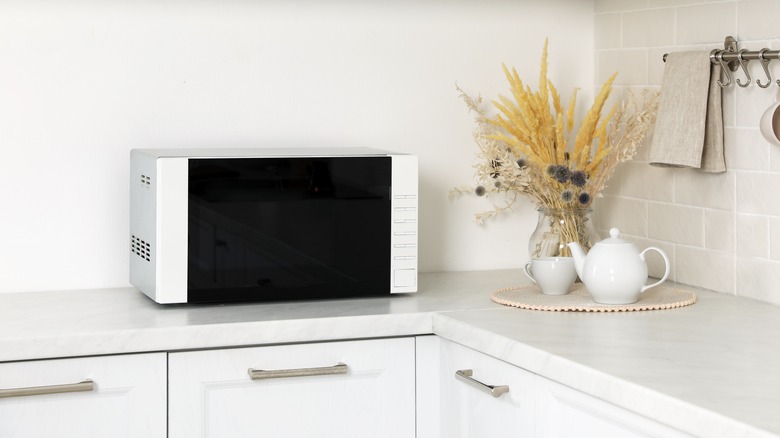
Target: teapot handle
{"x":666,"y":262}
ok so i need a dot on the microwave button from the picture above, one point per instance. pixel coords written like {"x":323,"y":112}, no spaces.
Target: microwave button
{"x":404,"y":278}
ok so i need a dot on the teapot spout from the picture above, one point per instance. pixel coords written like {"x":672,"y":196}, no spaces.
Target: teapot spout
{"x":579,"y":257}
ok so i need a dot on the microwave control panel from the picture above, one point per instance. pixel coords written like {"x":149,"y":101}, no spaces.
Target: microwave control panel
{"x":404,"y":224}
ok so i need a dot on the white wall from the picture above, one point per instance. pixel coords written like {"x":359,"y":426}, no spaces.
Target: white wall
{"x":722,"y":231}
{"x":82,"y":82}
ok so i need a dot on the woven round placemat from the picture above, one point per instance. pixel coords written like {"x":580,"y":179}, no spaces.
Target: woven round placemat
{"x":578,"y":300}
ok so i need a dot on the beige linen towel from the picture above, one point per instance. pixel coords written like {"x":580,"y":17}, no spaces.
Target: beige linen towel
{"x":689,"y":126}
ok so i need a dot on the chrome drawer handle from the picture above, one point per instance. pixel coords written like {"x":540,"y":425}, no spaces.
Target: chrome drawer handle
{"x":86,"y":385}
{"x":339,"y":368}
{"x":495,"y":391}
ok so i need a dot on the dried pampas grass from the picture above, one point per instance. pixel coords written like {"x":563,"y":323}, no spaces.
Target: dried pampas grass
{"x":530,"y":146}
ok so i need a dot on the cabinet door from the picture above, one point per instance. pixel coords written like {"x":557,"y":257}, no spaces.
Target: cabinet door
{"x":301,"y":391}
{"x":469,"y":409}
{"x":428,"y":386}
{"x":109,"y":396}
{"x":566,"y":412}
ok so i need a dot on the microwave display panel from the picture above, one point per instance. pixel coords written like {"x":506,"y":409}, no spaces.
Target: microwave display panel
{"x":288,"y":228}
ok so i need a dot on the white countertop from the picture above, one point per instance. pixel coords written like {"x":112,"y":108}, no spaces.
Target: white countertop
{"x":712,"y":368}
{"x":36,"y":325}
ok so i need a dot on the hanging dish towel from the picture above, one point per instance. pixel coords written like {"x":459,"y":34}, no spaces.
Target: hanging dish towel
{"x":689,"y":127}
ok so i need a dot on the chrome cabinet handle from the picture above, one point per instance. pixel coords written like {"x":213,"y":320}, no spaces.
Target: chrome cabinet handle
{"x":495,"y":391}
{"x":339,"y":368}
{"x":86,"y":385}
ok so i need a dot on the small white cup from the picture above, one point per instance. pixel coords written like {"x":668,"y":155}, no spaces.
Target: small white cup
{"x":770,"y":122}
{"x":554,"y":275}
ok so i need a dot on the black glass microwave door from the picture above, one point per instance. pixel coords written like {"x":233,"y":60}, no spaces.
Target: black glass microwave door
{"x":288,"y":228}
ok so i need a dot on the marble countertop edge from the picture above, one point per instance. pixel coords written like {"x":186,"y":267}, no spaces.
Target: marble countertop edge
{"x":219,"y":335}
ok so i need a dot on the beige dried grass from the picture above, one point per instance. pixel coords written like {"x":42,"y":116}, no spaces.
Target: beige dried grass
{"x":527,"y":147}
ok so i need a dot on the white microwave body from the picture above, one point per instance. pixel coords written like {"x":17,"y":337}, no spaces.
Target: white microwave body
{"x":221,"y":225}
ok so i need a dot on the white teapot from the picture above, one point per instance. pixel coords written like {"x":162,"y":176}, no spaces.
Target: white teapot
{"x":614,"y":271}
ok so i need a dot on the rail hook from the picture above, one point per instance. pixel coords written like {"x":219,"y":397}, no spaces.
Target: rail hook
{"x":718,"y":54}
{"x":743,"y":64}
{"x":765,"y":65}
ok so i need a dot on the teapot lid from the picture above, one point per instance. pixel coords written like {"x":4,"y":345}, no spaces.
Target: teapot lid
{"x":614,"y":238}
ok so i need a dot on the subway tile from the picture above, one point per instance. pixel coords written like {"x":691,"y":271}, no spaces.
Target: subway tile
{"x":619,"y":5}
{"x":756,"y":193}
{"x":751,"y":103}
{"x":729,"y":105}
{"x":774,"y":158}
{"x":655,"y":64}
{"x":758,"y":279}
{"x":667,"y":3}
{"x":626,"y":214}
{"x":640,"y":180}
{"x":614,"y":185}
{"x":648,"y":28}
{"x":752,"y":236}
{"x":719,"y":230}
{"x":706,"y":23}
{"x":746,"y":149}
{"x":758,"y":19}
{"x":774,"y":238}
{"x":712,"y":190}
{"x":705,"y":268}
{"x":675,"y":223}
{"x":729,"y":147}
{"x":608,"y":31}
{"x":631,"y":65}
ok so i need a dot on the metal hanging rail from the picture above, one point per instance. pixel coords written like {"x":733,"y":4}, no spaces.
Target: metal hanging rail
{"x":730,"y":59}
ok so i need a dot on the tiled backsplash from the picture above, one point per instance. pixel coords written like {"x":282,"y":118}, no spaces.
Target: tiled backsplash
{"x":721,"y":231}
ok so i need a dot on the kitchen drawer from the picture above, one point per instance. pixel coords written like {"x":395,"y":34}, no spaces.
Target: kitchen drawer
{"x":470,"y":409}
{"x":566,"y":412}
{"x":303,"y":391}
{"x":121,"y":396}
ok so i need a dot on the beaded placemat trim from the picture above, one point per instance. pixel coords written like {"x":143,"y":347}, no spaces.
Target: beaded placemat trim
{"x":579,"y":300}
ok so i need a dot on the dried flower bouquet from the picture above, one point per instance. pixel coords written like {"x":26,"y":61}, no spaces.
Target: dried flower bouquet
{"x":528,"y":148}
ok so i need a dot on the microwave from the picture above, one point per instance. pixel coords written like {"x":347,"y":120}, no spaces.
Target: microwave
{"x":228,"y":225}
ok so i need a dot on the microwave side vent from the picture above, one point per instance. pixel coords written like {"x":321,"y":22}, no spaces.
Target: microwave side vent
{"x":141,"y":248}
{"x":142,"y":238}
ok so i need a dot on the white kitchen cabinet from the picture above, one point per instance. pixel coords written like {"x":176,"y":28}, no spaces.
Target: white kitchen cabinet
{"x":474,"y":406}
{"x":331,"y":389}
{"x":105,"y":396}
{"x":566,"y":412}
{"x":428,"y":386}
